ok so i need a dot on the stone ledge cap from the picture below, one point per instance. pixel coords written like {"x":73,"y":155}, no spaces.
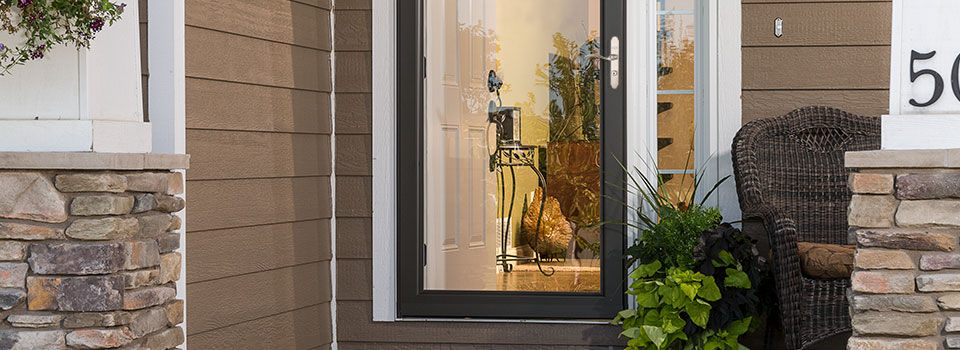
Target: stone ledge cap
{"x":93,"y":161}
{"x":917,"y":158}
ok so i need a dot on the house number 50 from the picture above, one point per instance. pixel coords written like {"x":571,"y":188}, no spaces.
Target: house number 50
{"x":937,"y":79}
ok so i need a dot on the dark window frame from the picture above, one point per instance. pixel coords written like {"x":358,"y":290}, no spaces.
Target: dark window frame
{"x":413,"y":300}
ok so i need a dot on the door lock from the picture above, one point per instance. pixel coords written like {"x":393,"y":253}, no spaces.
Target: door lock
{"x":614,"y":59}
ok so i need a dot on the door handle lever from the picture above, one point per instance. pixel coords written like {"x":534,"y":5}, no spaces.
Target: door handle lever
{"x":614,"y":62}
{"x":605,"y":58}
{"x":614,"y":59}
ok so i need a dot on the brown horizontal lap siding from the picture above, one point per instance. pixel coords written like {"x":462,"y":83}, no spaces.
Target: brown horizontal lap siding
{"x":258,"y":130}
{"x":833,"y":53}
{"x":355,"y":328}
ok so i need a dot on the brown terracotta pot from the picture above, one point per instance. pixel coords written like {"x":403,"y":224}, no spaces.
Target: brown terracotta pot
{"x":574,"y":177}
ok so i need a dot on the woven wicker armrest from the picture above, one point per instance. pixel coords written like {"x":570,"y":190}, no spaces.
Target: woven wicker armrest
{"x":782,"y":232}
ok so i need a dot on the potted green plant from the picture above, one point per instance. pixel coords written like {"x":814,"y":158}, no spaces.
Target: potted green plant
{"x":695,"y":284}
{"x":571,"y":158}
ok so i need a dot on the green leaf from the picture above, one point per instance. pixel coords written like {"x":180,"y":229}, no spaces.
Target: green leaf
{"x":648,"y":300}
{"x":672,"y":322}
{"x":699,"y":313}
{"x":652,"y":318}
{"x":655,"y":334}
{"x":739,"y":327}
{"x":627,"y":313}
{"x":709,"y":291}
{"x":690,"y":289}
{"x":646,"y":270}
{"x":727,"y":258}
{"x":632,"y":333}
{"x":673,"y":295}
{"x":736,"y":278}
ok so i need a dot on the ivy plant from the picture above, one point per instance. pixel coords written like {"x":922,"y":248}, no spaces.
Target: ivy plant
{"x":673,"y":308}
{"x":45,"y":24}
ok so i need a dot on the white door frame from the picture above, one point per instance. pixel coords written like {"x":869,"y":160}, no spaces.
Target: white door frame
{"x":722,"y":111}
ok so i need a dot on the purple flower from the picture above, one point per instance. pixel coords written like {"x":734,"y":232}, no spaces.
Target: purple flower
{"x":38,"y":53}
{"x":24,"y":3}
{"x":2,"y":47}
{"x":97,"y":24}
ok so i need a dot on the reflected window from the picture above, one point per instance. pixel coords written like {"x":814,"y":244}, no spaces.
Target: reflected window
{"x":676,"y":98}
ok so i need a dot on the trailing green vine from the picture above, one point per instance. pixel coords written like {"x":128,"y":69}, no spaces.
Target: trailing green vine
{"x":45,"y":24}
{"x":677,"y":299}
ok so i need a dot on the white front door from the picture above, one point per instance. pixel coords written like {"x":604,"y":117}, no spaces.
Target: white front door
{"x":460,"y":200}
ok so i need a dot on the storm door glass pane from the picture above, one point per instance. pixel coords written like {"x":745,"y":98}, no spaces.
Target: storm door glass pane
{"x":676,"y":105}
{"x":512,"y":184}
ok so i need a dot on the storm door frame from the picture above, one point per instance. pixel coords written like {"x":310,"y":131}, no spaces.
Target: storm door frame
{"x":413,"y":300}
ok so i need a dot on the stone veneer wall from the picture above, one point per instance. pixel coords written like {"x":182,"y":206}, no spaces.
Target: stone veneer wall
{"x":905,"y":215}
{"x":88,"y":259}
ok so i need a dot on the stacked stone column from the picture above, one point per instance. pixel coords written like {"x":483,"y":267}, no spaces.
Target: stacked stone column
{"x":906,"y":284}
{"x":89,"y":260}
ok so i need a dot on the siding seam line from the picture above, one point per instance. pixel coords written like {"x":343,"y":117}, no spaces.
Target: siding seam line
{"x":272,"y":269}
{"x":255,"y":319}
{"x":188,"y":77}
{"x":258,"y":225}
{"x":262,"y":131}
{"x":256,"y":38}
{"x":320,"y":175}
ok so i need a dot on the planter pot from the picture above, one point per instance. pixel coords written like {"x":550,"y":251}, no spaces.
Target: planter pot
{"x":78,"y":100}
{"x":574,"y":177}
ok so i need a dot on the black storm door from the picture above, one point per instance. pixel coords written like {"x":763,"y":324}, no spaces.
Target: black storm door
{"x":510,"y":124}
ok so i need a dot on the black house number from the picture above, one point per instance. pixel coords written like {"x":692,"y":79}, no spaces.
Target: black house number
{"x":937,"y":79}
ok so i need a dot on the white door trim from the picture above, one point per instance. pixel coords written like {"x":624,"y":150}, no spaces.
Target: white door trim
{"x":723,"y":108}
{"x":384,"y":161}
{"x":725,"y":99}
{"x":166,"y":97}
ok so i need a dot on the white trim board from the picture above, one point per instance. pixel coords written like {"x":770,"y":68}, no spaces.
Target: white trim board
{"x":722,"y":112}
{"x":384,"y":161}
{"x":165,"y":49}
{"x":935,"y":131}
{"x":106,"y":136}
{"x":333,"y":184}
{"x":726,"y":103}
{"x":167,"y":111}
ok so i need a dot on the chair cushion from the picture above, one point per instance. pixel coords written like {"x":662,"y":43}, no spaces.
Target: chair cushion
{"x":826,"y":261}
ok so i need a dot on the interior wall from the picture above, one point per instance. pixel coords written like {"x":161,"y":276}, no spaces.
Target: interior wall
{"x":832,"y":53}
{"x":258,"y":83}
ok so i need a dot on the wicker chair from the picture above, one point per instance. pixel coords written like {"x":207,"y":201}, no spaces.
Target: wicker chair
{"x":790,"y":174}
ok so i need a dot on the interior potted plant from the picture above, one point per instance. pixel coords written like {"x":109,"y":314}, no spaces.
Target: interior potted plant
{"x":571,"y":159}
{"x":696,"y":280}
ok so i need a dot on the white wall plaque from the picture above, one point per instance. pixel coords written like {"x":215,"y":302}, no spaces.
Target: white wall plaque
{"x":924,"y":76}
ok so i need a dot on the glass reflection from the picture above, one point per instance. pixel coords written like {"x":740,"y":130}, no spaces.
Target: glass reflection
{"x":676,"y":103}
{"x":512,"y":177}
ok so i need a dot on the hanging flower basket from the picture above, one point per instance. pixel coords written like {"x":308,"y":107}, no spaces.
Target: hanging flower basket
{"x":70,"y":76}
{"x":42,"y":25}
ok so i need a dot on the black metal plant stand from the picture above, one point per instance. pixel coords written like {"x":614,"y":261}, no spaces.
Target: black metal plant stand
{"x":510,"y":157}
